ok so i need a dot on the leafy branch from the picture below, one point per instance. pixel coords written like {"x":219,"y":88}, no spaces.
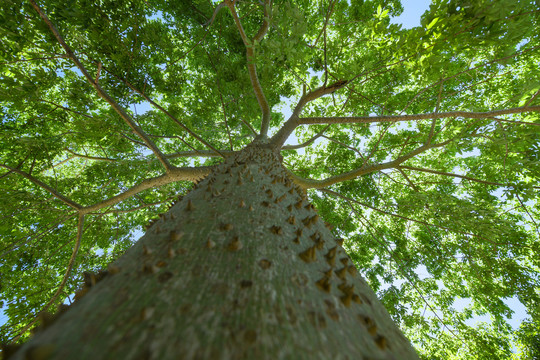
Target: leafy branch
{"x":456,"y":176}
{"x":399,"y":267}
{"x":44,"y":186}
{"x":293,"y":122}
{"x":104,"y":95}
{"x":362,"y":170}
{"x":250,"y":54}
{"x":163,"y":110}
{"x":442,"y":115}
{"x":193,"y":174}
{"x":67,"y":273}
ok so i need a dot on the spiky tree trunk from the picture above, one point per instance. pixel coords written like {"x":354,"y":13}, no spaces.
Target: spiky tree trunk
{"x":241,"y":268}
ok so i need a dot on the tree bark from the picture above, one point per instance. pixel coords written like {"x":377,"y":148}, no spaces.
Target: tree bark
{"x":241,"y":268}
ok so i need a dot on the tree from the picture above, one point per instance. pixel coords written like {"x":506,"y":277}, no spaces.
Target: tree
{"x":419,"y":147}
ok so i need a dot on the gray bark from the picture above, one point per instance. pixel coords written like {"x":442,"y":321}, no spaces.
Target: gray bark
{"x":240,"y":268}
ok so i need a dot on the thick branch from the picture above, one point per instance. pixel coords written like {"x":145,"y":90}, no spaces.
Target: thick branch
{"x":265,"y":25}
{"x":397,"y":118}
{"x":44,"y":186}
{"x":281,"y":136}
{"x":175,"y":174}
{"x":214,"y":14}
{"x":119,"y":109}
{"x":252,"y":70}
{"x":363,"y":170}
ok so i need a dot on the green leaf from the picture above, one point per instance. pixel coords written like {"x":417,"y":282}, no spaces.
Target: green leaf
{"x":432,"y":23}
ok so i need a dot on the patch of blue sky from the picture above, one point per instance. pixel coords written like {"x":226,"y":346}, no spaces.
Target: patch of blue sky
{"x":412,"y":11}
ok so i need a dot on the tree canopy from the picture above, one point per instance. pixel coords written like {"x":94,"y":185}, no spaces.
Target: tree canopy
{"x":421,"y":147}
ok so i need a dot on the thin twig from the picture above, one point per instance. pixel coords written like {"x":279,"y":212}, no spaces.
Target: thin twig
{"x":532,"y":98}
{"x":415,"y":188}
{"x":160,"y":108}
{"x":413,"y":283}
{"x":223,"y":110}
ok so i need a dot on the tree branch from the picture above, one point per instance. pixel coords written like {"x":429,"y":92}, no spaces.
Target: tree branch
{"x":404,"y":217}
{"x":34,"y":59}
{"x":214,"y":14}
{"x":456,"y":175}
{"x":528,"y":213}
{"x":532,"y":98}
{"x":160,"y":108}
{"x":345,"y":146}
{"x":223,"y":108}
{"x":175,"y":174}
{"x":304,"y":144}
{"x":266,"y":24}
{"x":65,"y":108}
{"x":413,"y":283}
{"x":133,"y":140}
{"x":201,"y":153}
{"x":397,"y":118}
{"x":252,"y":70}
{"x":281,"y":136}
{"x":44,"y":186}
{"x":119,"y":109}
{"x":415,"y":188}
{"x":17,"y":244}
{"x":90,"y":157}
{"x":60,"y":163}
{"x":135,"y":208}
{"x":363,"y":170}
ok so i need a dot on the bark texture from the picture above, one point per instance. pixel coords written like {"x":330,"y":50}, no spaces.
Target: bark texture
{"x":241,"y":268}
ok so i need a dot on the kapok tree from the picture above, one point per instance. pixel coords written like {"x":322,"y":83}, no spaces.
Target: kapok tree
{"x":419,"y":149}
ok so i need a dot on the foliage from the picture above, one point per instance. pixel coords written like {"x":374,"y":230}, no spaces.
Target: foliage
{"x":457,"y":219}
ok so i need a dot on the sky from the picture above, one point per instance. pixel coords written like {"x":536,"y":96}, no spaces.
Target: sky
{"x":410,"y":17}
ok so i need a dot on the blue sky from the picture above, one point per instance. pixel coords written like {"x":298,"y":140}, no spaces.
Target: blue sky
{"x":413,"y":9}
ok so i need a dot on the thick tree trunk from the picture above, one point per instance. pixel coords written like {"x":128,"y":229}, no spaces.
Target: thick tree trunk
{"x":241,"y":268}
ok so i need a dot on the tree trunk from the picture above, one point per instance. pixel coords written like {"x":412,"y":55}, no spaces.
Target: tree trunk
{"x":241,"y":268}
